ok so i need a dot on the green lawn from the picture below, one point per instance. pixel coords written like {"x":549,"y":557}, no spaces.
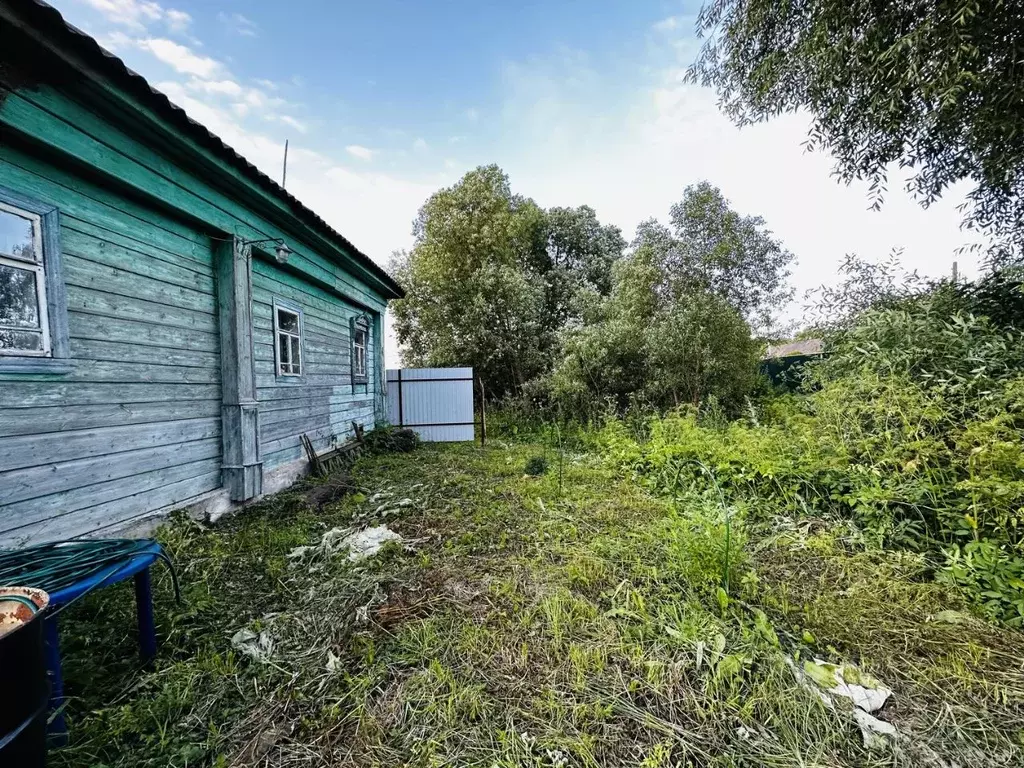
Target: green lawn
{"x":566,"y":619}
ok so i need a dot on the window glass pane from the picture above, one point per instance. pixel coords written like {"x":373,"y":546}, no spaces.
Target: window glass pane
{"x":296,"y":355}
{"x":16,"y":236}
{"x":360,"y":352}
{"x":282,"y":351}
{"x":287,"y":321}
{"x":26,"y":340}
{"x":19,"y":303}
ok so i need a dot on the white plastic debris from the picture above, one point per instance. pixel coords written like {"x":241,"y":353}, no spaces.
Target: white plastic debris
{"x":807,"y":683}
{"x":360,"y":544}
{"x":950,"y":617}
{"x":867,"y":699}
{"x":259,"y":647}
{"x":864,"y":691}
{"x":333,"y":540}
{"x":300,"y":553}
{"x":333,"y":662}
{"x":368,"y":541}
{"x":867,"y":694}
{"x":873,"y":730}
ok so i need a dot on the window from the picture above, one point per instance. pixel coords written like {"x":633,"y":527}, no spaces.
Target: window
{"x":33,"y":320}
{"x":360,"y":337}
{"x":24,"y":326}
{"x":288,"y":337}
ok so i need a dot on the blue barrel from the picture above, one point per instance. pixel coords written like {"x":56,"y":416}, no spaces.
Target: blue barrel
{"x":24,"y":687}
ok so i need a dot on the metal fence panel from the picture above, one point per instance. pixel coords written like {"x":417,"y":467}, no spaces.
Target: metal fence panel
{"x":435,"y":402}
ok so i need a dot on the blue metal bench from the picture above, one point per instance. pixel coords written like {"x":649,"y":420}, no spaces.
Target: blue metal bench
{"x":69,"y":570}
{"x":138,"y":566}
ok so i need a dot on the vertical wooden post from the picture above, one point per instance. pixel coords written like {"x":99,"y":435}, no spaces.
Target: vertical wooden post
{"x":483,"y":414}
{"x":401,"y":413}
{"x":379,"y":381}
{"x":242,"y":468}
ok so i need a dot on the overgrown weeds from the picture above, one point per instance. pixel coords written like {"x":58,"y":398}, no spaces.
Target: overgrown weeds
{"x":536,"y":621}
{"x":913,"y":428}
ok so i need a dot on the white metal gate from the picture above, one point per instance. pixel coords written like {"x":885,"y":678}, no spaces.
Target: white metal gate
{"x":435,"y":402}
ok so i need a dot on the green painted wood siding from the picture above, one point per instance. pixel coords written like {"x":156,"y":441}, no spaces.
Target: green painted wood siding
{"x":136,"y":425}
{"x":322,"y":402}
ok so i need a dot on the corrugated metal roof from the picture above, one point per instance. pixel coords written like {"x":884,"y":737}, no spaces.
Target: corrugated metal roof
{"x":50,"y":23}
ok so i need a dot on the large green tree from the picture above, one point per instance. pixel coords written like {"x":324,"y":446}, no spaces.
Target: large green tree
{"x":579,"y":258}
{"x":470,"y":297}
{"x":492,"y":277}
{"x":650,"y":347}
{"x":709,"y":247}
{"x":936,"y":86}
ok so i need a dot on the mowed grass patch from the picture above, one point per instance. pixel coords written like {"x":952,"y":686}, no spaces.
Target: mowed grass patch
{"x":567,"y":618}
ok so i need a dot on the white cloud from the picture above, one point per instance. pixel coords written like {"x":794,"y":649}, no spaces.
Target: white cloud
{"x":420,"y":145}
{"x":219,"y":87}
{"x":360,"y":152}
{"x":559,"y":104}
{"x":472,"y":114}
{"x":180,"y":57}
{"x":239,"y":24}
{"x":177,"y":21}
{"x":669,"y":24}
{"x":115,"y":41}
{"x":139,"y":14}
{"x":292,"y":122}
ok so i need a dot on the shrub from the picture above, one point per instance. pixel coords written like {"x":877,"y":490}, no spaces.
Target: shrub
{"x":388,"y":439}
{"x":654,"y":346}
{"x":914,"y":429}
{"x":990,"y":577}
{"x":536,"y":466}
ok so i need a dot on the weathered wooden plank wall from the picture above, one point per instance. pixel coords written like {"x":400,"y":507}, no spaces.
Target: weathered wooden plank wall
{"x":323,"y":402}
{"x":136,"y":424}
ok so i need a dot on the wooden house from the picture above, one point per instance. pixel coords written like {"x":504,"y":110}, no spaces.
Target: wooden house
{"x":172,"y":321}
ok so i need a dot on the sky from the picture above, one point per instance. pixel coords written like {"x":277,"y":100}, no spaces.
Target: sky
{"x":581,"y":102}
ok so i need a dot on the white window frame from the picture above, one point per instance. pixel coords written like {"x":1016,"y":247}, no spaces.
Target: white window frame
{"x":280,"y":306}
{"x":359,"y":367}
{"x":360,"y":325}
{"x":38,"y":267}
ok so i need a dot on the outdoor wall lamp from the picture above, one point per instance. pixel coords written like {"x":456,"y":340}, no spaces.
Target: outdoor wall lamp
{"x":281,"y":252}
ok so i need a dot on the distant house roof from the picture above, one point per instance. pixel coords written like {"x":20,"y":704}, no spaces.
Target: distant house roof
{"x":49,"y":22}
{"x":803,"y":347}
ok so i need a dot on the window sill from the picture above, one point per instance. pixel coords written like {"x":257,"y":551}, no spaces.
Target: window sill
{"x":359,"y":381}
{"x":35,"y":365}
